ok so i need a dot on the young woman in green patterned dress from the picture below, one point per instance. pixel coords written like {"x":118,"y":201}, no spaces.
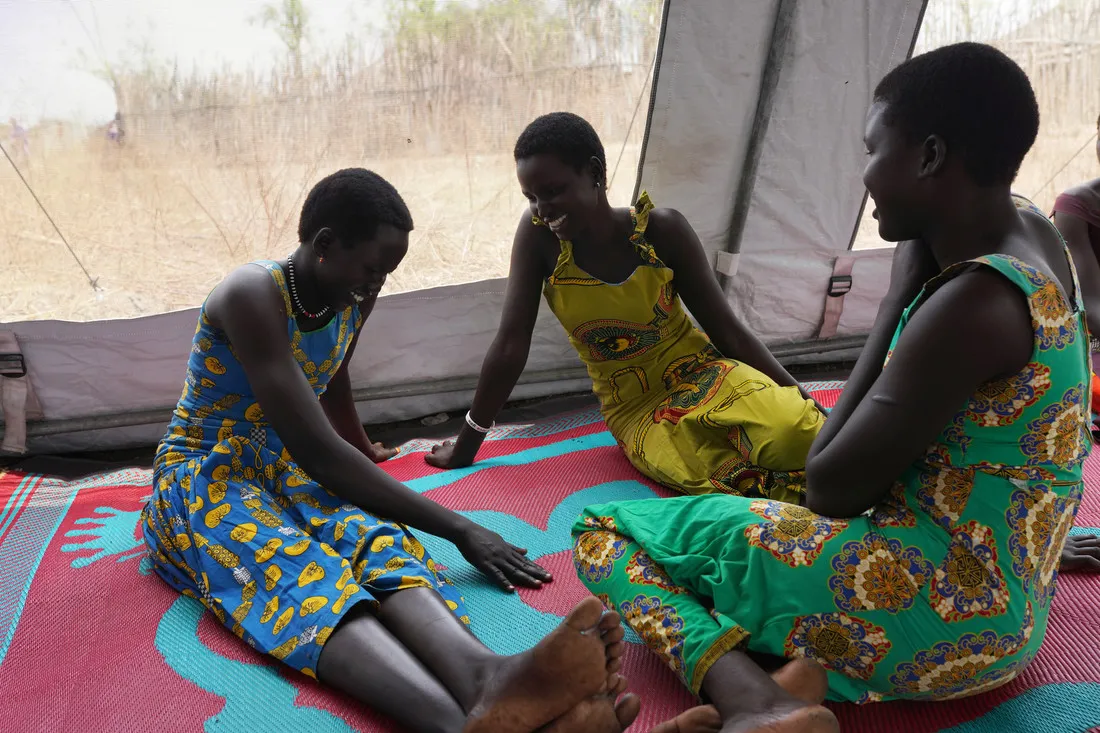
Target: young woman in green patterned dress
{"x":942,"y":488}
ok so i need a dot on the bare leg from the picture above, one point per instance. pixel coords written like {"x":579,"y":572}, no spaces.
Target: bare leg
{"x":750,"y":701}
{"x":420,"y":619}
{"x":803,"y":679}
{"x":424,"y":624}
{"x":517,"y":693}
{"x":364,"y":660}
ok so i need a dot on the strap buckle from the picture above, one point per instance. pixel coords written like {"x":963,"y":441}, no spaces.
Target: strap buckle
{"x":13,"y":366}
{"x":839,"y":285}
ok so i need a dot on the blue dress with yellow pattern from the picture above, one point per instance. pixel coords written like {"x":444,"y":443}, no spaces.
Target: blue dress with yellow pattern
{"x":942,"y":590}
{"x":234,"y":522}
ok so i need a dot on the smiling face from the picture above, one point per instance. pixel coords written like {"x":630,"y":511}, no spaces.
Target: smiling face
{"x":356,"y":273}
{"x":559,"y":194}
{"x":896,"y":176}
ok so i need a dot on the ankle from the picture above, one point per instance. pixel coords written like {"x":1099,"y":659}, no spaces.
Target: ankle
{"x":480,"y":676}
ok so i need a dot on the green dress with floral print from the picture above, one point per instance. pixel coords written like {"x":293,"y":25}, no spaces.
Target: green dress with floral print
{"x":942,"y":590}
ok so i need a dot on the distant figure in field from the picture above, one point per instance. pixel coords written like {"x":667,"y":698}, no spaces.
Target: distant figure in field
{"x":115,"y":131}
{"x":1077,"y":216}
{"x":20,"y":143}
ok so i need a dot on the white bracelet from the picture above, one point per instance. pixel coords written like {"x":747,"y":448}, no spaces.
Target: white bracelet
{"x":474,"y":426}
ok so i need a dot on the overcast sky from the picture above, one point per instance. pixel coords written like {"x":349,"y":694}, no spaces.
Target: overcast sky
{"x":42,"y":43}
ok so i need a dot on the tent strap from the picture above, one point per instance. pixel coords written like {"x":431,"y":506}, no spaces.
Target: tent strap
{"x":18,"y":402}
{"x":840,"y":284}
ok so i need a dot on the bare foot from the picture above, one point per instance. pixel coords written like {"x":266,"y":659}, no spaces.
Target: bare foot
{"x":569,"y":666}
{"x":807,"y":719}
{"x":701,"y":719}
{"x":600,"y":714}
{"x":804,"y":679}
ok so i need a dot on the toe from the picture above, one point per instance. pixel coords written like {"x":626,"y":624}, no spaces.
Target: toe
{"x":609,"y":621}
{"x":627,"y":709}
{"x":616,"y":634}
{"x":616,"y":685}
{"x":586,"y":614}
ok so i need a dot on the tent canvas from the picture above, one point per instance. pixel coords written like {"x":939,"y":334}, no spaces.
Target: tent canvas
{"x":753,"y":132}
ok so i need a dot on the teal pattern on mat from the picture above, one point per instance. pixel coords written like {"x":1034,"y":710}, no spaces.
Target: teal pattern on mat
{"x":1067,"y":708}
{"x":524,"y":457}
{"x":110,"y":532}
{"x":24,"y":547}
{"x":257,"y":696}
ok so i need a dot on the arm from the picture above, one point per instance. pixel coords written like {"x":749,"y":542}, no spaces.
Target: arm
{"x":507,"y":356}
{"x":940,"y":359}
{"x":679,"y":247}
{"x":339,"y":406}
{"x":250,"y":310}
{"x":913,"y":265}
{"x":1076,"y":233}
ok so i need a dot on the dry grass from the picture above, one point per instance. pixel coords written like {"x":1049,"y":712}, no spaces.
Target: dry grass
{"x":216,"y":166}
{"x":159,"y":235}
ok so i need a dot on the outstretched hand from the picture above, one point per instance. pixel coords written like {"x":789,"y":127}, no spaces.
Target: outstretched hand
{"x":1081,"y":554}
{"x":444,"y":456}
{"x":504,"y":563}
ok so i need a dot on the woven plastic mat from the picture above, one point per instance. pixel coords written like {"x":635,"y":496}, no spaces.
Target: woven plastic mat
{"x":91,"y":640}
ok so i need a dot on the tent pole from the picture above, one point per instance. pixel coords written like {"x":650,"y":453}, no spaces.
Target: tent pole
{"x":908,"y":54}
{"x":657,"y":58}
{"x":769,"y":83}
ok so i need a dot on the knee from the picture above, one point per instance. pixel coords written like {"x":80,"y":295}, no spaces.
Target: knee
{"x":788,"y":444}
{"x":598,"y":556}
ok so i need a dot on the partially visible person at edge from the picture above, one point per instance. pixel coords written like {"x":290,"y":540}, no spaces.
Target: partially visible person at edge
{"x":699,"y":411}
{"x":268,"y":507}
{"x":942,"y":488}
{"x":1077,"y":216}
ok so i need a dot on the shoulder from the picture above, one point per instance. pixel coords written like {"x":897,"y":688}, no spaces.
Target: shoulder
{"x":666,"y":221}
{"x":531,"y":228}
{"x":536,"y":242}
{"x":1087,"y":190}
{"x":251,"y":290}
{"x":980,"y":313}
{"x":1080,"y":200}
{"x":671,"y":235}
{"x":981,"y":287}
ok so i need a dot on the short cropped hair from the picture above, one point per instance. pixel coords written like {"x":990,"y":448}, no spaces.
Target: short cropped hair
{"x":353,"y":203}
{"x":565,"y":135}
{"x":973,"y":96}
